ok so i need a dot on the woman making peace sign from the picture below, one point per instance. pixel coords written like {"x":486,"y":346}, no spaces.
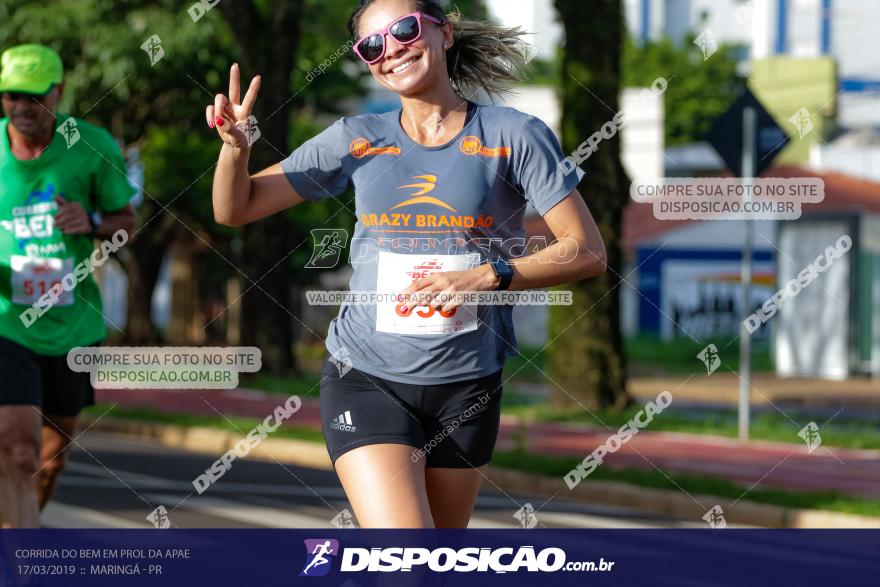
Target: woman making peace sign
{"x":441,"y":186}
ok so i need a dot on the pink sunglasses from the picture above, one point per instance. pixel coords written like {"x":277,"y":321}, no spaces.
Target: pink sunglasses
{"x":405,"y":30}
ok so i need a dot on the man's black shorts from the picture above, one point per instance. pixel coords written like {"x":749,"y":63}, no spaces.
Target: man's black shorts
{"x":27,"y":378}
{"x":452,"y":425}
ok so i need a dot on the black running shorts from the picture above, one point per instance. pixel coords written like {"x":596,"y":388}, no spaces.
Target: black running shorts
{"x":39,"y":380}
{"x":451,"y":425}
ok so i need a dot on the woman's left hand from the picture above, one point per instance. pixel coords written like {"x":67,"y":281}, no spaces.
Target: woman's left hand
{"x":480,"y":278}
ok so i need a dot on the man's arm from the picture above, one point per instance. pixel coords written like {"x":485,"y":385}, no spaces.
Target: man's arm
{"x":125,"y":219}
{"x":72,"y":218}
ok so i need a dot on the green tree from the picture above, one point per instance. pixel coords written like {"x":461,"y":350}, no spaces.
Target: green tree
{"x":160,"y":108}
{"x":268,"y":35}
{"x":277,"y":248}
{"x":111,"y":81}
{"x":586,"y":353}
{"x":699,"y":90}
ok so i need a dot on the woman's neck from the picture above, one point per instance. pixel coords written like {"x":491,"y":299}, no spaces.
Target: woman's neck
{"x":434,"y":120}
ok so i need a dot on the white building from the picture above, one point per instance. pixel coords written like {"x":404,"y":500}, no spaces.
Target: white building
{"x":856,"y":153}
{"x":843,"y":29}
{"x":537,"y":17}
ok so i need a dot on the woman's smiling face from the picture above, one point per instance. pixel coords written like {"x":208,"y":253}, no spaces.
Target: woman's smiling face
{"x":406,"y":69}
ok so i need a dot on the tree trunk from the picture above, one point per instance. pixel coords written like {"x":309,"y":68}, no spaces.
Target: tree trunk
{"x":269,"y":40}
{"x":142,"y":261}
{"x":587,"y":359}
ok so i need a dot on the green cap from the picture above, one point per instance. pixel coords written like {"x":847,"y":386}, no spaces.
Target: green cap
{"x":30,"y":69}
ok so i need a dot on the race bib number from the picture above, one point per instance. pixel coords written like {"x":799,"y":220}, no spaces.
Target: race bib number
{"x":397,"y":272}
{"x":33,"y":277}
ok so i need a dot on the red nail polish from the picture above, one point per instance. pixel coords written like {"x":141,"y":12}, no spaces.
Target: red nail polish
{"x":210,"y":124}
{"x":219,"y":121}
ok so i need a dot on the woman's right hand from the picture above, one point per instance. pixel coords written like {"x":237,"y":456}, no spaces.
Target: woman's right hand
{"x":231,"y":116}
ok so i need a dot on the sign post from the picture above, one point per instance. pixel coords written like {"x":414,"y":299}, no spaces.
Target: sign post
{"x":745,"y":338}
{"x":748,"y":139}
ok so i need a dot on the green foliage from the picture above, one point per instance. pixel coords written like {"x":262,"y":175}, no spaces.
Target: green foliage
{"x":542,"y":72}
{"x":110,"y":81}
{"x":330,"y":213}
{"x":326,"y":41}
{"x":698,"y":90}
{"x":182,"y":163}
{"x":471,"y":9}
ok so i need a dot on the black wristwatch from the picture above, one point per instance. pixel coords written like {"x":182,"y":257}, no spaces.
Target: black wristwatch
{"x":503,"y":272}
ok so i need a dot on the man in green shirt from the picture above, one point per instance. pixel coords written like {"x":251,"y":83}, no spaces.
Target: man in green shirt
{"x":62,"y":185}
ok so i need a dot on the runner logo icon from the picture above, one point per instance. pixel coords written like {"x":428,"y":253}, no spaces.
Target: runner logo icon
{"x":319,"y":554}
{"x":343,"y":422}
{"x":428,"y":184}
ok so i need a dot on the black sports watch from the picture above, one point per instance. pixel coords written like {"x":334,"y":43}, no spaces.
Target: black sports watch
{"x":95,"y":220}
{"x":503,"y":272}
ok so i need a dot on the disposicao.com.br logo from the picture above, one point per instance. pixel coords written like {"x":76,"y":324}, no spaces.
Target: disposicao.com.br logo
{"x":320,"y":553}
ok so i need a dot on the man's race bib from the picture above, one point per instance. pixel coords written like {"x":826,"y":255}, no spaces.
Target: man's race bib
{"x":32,"y":277}
{"x":396,"y":273}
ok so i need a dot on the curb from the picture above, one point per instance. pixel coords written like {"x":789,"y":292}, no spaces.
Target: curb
{"x":664,"y":502}
{"x":676,"y":504}
{"x":213,"y":441}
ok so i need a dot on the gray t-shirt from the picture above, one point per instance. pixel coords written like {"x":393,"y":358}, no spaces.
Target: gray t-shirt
{"x":426,"y":209}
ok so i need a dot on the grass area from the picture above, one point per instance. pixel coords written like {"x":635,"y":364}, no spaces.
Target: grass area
{"x":232,"y":424}
{"x":768,"y":425}
{"x":646,"y":356}
{"x":543,"y":465}
{"x":309,"y":357}
{"x":305,"y":386}
{"x":559,"y":466}
{"x":650,"y":355}
{"x":527,"y":366}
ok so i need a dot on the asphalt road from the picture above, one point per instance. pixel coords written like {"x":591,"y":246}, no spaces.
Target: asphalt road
{"x":115,"y":482}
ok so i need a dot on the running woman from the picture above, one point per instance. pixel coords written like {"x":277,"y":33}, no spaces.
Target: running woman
{"x":62,"y":184}
{"x":410,"y":396}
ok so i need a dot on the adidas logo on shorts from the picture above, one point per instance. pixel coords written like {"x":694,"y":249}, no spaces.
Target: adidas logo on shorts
{"x":343,"y":422}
